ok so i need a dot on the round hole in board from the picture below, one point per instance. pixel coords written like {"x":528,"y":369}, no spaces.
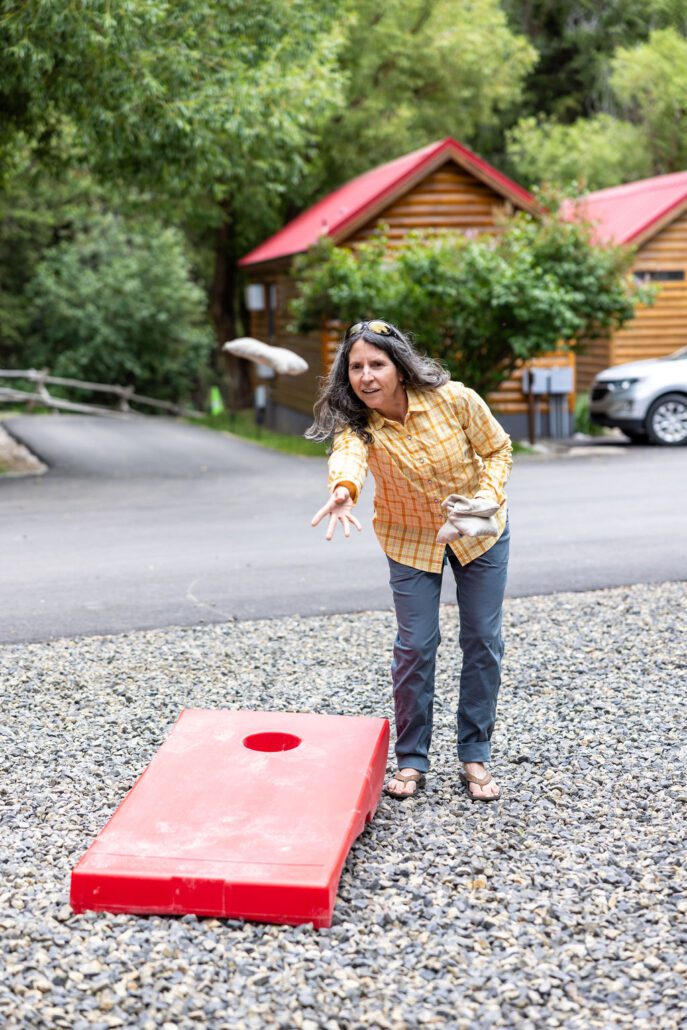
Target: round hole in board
{"x":272,"y":741}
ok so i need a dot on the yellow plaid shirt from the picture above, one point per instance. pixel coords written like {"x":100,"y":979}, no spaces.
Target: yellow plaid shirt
{"x":449,"y":443}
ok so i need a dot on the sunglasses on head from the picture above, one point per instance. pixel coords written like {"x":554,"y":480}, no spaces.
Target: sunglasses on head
{"x":375,"y":326}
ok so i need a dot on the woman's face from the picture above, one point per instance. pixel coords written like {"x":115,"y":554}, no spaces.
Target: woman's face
{"x":374,"y":378}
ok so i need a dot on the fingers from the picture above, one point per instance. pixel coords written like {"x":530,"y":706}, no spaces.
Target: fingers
{"x":345,"y":521}
{"x":340,"y":496}
{"x":316,"y":519}
{"x":331,"y":527}
{"x":335,"y":518}
{"x":336,"y":509}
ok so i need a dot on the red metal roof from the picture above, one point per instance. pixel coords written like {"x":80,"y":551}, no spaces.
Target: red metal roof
{"x":336,"y":212}
{"x":635,"y":211}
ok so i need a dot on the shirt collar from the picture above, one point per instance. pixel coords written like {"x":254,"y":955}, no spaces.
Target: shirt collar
{"x":417,"y":401}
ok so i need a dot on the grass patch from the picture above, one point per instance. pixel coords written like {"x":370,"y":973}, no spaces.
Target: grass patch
{"x":243,"y":424}
{"x":582,"y":422}
{"x":521,"y":448}
{"x":10,"y":411}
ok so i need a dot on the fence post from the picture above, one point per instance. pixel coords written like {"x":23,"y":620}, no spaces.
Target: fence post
{"x":42,"y":392}
{"x":125,"y":393}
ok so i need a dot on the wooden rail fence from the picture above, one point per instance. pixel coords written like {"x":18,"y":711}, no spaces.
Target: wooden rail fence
{"x":41,"y":396}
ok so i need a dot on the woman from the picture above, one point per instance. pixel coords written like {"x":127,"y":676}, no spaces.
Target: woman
{"x":396,"y":413}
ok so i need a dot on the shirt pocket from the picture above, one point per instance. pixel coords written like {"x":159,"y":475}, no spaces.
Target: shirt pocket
{"x":448,"y":451}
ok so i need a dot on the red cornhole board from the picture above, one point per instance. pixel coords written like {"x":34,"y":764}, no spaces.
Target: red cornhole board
{"x":245,"y":815}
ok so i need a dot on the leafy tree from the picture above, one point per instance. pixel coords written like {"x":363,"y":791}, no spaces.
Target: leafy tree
{"x":40,"y":210}
{"x":415,"y":71}
{"x":589,"y":154}
{"x":225,"y":116}
{"x":479,"y":305}
{"x":24,"y":233}
{"x":211,"y":105}
{"x":650,"y":82}
{"x":615,"y":71}
{"x":36,"y":212}
{"x":115,"y":304}
{"x":575,"y":41}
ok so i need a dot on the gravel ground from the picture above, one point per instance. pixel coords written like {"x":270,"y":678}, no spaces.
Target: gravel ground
{"x":15,"y":459}
{"x":563,"y":905}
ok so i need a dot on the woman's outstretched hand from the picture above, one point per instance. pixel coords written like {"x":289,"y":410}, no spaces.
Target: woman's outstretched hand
{"x":339,"y":507}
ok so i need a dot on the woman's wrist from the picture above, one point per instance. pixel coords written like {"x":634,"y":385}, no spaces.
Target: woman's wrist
{"x":351,"y":487}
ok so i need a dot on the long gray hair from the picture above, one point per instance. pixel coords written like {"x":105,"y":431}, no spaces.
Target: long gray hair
{"x":337,"y":405}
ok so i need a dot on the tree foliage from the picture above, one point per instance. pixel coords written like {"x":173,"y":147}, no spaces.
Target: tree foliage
{"x":115,"y":304}
{"x":37,"y":211}
{"x":650,"y":83}
{"x":615,"y":70}
{"x":210,"y":110}
{"x":589,"y":154}
{"x":190,"y":98}
{"x":575,"y":41}
{"x":479,"y":305}
{"x":415,"y":71}
{"x":225,"y":117}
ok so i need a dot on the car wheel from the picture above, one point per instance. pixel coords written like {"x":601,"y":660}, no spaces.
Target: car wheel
{"x":666,"y":423}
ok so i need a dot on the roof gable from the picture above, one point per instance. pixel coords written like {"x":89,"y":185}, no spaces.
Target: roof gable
{"x":635,"y":211}
{"x":341,"y":212}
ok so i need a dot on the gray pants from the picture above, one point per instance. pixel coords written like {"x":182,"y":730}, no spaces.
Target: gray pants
{"x":480,"y":587}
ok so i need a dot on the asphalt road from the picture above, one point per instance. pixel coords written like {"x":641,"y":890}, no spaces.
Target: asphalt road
{"x":149,"y":523}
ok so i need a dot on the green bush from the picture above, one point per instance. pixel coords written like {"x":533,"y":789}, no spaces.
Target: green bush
{"x":115,"y":303}
{"x":479,"y":305}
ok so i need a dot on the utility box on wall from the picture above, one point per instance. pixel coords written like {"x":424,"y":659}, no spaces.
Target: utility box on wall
{"x":555,"y":384}
{"x":548,"y":380}
{"x":536,"y":381}
{"x":561,"y":380}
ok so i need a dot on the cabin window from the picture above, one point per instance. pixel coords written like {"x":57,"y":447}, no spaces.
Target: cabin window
{"x":660,"y":276}
{"x":272,"y":310}
{"x":255,"y":297}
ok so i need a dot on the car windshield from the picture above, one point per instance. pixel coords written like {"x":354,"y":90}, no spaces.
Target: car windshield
{"x":676,"y":355}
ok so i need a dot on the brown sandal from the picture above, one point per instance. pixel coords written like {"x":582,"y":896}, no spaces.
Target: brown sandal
{"x":467,"y":778}
{"x":411,"y":777}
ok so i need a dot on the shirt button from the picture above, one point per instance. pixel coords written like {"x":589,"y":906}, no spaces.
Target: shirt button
{"x":422,"y":460}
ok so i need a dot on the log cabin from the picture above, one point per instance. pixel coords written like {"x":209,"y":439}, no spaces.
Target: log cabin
{"x":441,"y":186}
{"x":651,"y":215}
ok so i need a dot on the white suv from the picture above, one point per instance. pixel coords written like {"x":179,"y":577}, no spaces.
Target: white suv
{"x":646,"y":399}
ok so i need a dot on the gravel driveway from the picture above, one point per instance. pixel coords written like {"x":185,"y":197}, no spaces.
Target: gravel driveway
{"x":563,"y":905}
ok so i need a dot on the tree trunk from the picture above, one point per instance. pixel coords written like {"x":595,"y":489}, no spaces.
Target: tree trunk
{"x":224,"y":302}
